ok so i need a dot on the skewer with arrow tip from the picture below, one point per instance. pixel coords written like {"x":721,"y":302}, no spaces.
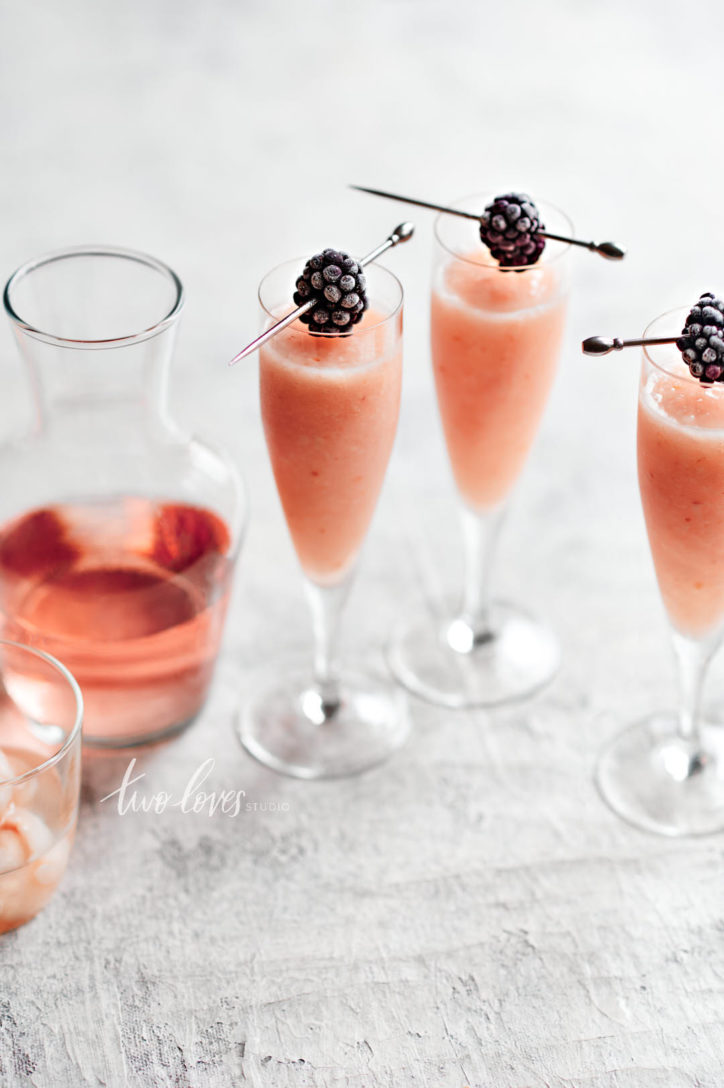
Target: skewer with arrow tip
{"x":609,"y":250}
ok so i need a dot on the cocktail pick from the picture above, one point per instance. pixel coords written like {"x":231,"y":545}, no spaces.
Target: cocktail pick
{"x":402,"y":233}
{"x":609,"y":250}
{"x":602,"y":345}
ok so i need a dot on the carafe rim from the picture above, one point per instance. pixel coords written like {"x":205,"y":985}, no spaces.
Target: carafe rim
{"x":72,"y":252}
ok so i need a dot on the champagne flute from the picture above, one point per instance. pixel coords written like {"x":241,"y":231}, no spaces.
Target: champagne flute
{"x":329,"y":405}
{"x":666,"y":773}
{"x":496,"y":336}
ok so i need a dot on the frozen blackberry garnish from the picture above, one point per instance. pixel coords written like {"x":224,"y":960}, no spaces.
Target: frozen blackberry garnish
{"x":336,"y":282}
{"x":509,"y":228}
{"x":702,"y":339}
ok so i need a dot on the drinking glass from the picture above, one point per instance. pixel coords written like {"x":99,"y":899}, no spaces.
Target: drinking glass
{"x":41,"y":711}
{"x":666,"y":772}
{"x":329,"y":407}
{"x":495,"y":335}
{"x":118,"y":532}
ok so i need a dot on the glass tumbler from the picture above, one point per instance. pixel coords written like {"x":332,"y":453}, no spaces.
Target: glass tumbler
{"x":41,"y":710}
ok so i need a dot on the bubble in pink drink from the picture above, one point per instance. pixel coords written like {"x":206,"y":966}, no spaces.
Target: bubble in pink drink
{"x":681,"y":478}
{"x":330,"y":406}
{"x":496,"y":338}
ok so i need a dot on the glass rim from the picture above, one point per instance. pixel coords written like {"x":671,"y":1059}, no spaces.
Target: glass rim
{"x":75,"y":729}
{"x":648,"y":349}
{"x":299,"y":262}
{"x":74,"y":252}
{"x":566,"y":247}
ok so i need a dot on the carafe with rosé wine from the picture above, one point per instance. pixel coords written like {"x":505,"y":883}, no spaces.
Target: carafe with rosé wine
{"x":118,"y":533}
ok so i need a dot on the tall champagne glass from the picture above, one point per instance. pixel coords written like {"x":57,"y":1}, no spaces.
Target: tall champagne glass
{"x":495,"y":337}
{"x":666,"y":773}
{"x":329,"y":406}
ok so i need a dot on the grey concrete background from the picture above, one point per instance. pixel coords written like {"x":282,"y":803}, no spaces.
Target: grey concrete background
{"x":470,"y":914}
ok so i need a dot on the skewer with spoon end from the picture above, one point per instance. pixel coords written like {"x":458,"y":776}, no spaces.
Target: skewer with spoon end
{"x":402,"y":233}
{"x":700,"y":342}
{"x":602,"y":345}
{"x":609,"y":250}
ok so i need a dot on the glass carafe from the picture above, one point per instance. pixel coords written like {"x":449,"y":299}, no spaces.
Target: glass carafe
{"x":118,"y":533}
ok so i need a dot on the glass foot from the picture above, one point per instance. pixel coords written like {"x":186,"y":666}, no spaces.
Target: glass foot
{"x":286,"y":726}
{"x":443,"y":662}
{"x":660,"y":783}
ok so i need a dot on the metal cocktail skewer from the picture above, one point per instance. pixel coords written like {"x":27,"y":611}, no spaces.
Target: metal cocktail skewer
{"x":609,"y":250}
{"x":401,"y":233}
{"x":601,"y":345}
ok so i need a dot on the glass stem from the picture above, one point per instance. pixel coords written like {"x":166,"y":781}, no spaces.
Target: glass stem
{"x":326,"y":603}
{"x":480,"y":537}
{"x":692,"y":657}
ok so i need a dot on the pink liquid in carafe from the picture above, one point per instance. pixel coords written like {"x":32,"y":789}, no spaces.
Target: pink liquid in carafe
{"x":130,"y":594}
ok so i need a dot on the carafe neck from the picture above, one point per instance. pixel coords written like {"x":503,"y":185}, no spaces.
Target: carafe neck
{"x":96,"y":326}
{"x":120,"y":388}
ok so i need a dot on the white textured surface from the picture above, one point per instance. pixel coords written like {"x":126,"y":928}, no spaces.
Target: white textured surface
{"x":470,"y":914}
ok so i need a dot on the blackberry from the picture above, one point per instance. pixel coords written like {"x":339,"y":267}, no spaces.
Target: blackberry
{"x":337,"y":283}
{"x":509,"y":228}
{"x":702,"y":339}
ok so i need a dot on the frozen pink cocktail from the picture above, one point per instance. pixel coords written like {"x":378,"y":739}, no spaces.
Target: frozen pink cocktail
{"x":330,"y":406}
{"x":681,"y":477}
{"x":496,"y":338}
